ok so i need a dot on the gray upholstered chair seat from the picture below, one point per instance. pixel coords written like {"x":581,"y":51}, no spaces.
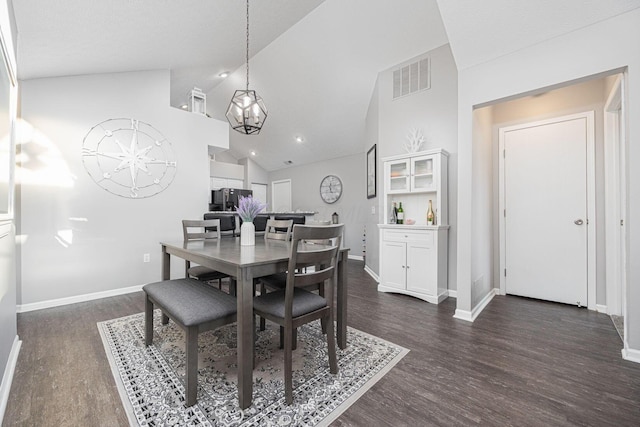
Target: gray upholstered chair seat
{"x":190,"y":302}
{"x":303,"y":302}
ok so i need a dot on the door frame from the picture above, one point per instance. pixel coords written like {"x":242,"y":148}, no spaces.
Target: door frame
{"x":591,"y":193}
{"x":615,"y":191}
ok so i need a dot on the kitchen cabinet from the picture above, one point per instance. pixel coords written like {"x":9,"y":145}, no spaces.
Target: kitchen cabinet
{"x":218,"y":183}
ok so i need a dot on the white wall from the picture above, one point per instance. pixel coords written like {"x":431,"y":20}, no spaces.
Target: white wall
{"x":373,"y":216}
{"x":8,"y":321}
{"x":253,"y":173}
{"x":434,"y":112}
{"x":77,"y":238}
{"x":305,"y":194}
{"x":483,"y":195}
{"x":599,"y":48}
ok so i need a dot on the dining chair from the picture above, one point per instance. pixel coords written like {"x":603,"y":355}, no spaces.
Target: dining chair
{"x":278,"y":229}
{"x":260,"y":222}
{"x":274,"y":230}
{"x":196,"y":229}
{"x":295,"y":306}
{"x":227,"y":222}
{"x":278,"y":280}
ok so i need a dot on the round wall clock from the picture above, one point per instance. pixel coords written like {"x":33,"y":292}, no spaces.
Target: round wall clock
{"x":330,"y":188}
{"x":128,"y":158}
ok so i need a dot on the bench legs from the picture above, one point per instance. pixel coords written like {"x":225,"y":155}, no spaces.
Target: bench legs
{"x":191,"y":368}
{"x":191,"y":338}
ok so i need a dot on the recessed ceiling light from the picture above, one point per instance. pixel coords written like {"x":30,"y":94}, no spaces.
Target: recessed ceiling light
{"x":223,"y":74}
{"x":253,"y":153}
{"x":299,"y":138}
{"x":184,"y":106}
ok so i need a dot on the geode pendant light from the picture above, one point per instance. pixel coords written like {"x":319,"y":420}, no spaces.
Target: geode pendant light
{"x":247,"y":112}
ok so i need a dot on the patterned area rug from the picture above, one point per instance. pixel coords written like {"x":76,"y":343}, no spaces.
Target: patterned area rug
{"x":151,"y":379}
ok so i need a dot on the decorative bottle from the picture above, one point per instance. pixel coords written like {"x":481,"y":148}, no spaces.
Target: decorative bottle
{"x":393,"y":214}
{"x":400,"y":219}
{"x":431,"y":217}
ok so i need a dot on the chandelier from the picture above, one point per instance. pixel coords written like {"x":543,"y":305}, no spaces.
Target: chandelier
{"x":247,"y":112}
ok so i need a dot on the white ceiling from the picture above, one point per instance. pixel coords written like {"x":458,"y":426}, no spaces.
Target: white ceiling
{"x":315,"y":62}
{"x":479,"y":31}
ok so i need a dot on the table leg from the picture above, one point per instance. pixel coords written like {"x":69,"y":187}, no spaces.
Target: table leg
{"x":342,"y":301}
{"x":244,"y":289}
{"x":166,"y":275}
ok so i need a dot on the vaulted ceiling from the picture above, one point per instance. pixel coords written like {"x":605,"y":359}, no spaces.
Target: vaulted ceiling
{"x":315,"y":62}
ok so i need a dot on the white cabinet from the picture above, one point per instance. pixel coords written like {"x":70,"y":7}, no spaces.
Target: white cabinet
{"x":218,"y":183}
{"x":413,"y":262}
{"x":413,"y":258}
{"x":410,"y":175}
{"x":414,"y":179}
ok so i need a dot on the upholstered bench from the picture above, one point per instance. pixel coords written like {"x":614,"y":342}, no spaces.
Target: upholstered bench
{"x":194,"y":306}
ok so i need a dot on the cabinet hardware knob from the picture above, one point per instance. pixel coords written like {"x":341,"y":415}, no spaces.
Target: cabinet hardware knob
{"x":578,"y":222}
{"x":403,"y":266}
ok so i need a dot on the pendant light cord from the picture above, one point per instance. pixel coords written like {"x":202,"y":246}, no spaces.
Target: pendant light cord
{"x":247,"y":44}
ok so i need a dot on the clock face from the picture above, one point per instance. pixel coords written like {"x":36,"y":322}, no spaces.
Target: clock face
{"x":128,"y":158}
{"x":330,"y":189}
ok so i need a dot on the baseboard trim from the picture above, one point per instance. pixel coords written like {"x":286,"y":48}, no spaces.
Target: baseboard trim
{"x":601,"y":308}
{"x":453,"y":293}
{"x":472,"y":315}
{"x":356,"y":257}
{"x":371,"y":273}
{"x":631,"y":355}
{"x":23,"y":308}
{"x":463,"y":315}
{"x":7,"y":378}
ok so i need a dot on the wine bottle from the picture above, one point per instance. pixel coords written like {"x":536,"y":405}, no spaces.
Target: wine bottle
{"x":400,"y":219}
{"x":393,"y":214}
{"x":431,"y":218}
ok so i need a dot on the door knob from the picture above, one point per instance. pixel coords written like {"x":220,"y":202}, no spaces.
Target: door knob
{"x":578,"y":222}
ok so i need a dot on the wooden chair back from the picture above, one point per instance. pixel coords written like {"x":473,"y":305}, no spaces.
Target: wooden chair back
{"x":227,"y":222}
{"x":200,"y":229}
{"x":278,"y":229}
{"x":324,"y":257}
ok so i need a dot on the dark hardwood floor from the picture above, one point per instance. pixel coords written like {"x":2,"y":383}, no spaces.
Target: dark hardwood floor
{"x":521,"y":363}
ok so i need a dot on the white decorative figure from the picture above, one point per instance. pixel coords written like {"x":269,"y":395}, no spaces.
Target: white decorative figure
{"x":415,"y":138}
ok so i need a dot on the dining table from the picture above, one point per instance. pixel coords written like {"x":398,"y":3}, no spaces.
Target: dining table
{"x":244,"y":264}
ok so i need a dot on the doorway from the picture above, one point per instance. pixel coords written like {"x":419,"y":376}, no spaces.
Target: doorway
{"x":547,"y":200}
{"x":281,"y":195}
{"x":615,"y":202}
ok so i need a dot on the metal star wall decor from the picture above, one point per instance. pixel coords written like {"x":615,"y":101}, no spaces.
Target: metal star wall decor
{"x":128,"y":158}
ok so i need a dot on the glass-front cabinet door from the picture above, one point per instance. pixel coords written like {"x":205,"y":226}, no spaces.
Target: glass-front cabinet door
{"x":422,"y":173}
{"x":398,"y":176}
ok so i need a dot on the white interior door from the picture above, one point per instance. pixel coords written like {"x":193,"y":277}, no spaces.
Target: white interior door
{"x":260,"y":192}
{"x":281,"y":195}
{"x":545,"y":201}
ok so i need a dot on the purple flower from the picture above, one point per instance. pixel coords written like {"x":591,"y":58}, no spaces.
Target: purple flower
{"x":249,"y":208}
